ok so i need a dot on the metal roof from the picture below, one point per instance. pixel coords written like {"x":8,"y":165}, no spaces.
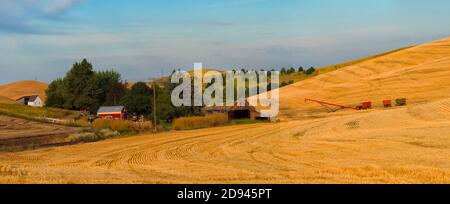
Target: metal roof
{"x":111,"y":109}
{"x":29,"y":98}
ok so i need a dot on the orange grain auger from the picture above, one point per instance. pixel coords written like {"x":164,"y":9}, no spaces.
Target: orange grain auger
{"x":363,"y":106}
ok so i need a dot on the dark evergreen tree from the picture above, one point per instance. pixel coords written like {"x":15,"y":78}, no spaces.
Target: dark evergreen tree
{"x":310,"y":71}
{"x":55,"y":94}
{"x":77,"y":93}
{"x":116,"y":92}
{"x":291,"y":70}
{"x":139,"y":99}
{"x":102,"y":82}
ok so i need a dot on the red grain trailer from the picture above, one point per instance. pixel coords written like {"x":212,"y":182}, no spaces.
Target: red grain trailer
{"x":366,"y":105}
{"x":387,"y":103}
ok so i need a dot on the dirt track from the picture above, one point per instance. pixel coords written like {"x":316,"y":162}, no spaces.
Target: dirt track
{"x":399,"y":145}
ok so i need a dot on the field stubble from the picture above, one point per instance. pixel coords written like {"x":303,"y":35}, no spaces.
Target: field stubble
{"x":408,"y":144}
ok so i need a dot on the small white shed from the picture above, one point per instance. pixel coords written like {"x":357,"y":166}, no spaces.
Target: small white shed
{"x":33,"y":101}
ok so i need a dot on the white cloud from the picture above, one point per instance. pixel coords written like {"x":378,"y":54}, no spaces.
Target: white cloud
{"x":55,"y":7}
{"x":16,"y":14}
{"x":21,"y":8}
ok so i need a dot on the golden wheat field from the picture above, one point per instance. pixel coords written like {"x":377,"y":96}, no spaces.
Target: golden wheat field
{"x":409,"y":144}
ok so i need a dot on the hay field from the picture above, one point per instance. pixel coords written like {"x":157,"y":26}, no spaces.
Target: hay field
{"x":408,"y":144}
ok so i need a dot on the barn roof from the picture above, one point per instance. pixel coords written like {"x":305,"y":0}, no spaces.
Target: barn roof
{"x":111,"y":109}
{"x":29,"y":98}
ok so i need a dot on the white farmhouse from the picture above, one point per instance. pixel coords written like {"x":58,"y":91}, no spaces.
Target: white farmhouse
{"x":33,"y":101}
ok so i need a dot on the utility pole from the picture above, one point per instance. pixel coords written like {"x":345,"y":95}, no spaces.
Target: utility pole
{"x":154,"y":79}
{"x":155,"y":128}
{"x":154,"y":106}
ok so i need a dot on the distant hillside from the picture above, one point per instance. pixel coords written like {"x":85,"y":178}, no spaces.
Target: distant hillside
{"x":166,"y":79}
{"x":418,"y":73}
{"x":204,"y":71}
{"x":23,"y":88}
{"x":297,"y":77}
{"x":6,"y":100}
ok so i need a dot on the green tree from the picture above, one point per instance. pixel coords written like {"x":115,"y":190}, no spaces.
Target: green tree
{"x":116,"y":92}
{"x":283,"y":71}
{"x":164,"y":108}
{"x":300,"y":69}
{"x":139,"y":99}
{"x":55,"y":94}
{"x":310,"y":71}
{"x":84,"y":89}
{"x":176,"y":112}
{"x":104,"y":83}
{"x":291,"y":70}
{"x":76,"y":86}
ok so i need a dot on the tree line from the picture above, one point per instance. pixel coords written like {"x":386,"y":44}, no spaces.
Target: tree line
{"x":84,"y":89}
{"x":292,"y":70}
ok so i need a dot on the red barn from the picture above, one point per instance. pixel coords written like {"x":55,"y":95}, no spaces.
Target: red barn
{"x":112,"y":112}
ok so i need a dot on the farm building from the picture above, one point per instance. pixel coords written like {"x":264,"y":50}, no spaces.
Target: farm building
{"x":33,"y":101}
{"x":237,"y":112}
{"x":113,"y":112}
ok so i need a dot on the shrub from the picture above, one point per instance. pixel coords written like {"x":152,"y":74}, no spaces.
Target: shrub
{"x":82,"y":137}
{"x":310,"y":71}
{"x":78,"y":123}
{"x":107,"y":133}
{"x":88,"y":136}
{"x":189,"y":123}
{"x":122,"y":126}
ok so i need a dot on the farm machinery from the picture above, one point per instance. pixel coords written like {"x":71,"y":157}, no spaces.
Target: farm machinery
{"x":364,"y":106}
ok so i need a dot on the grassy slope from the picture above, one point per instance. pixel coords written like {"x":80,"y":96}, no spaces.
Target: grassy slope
{"x":331,"y":68}
{"x":30,"y":113}
{"x":12,"y":91}
{"x":296,"y":77}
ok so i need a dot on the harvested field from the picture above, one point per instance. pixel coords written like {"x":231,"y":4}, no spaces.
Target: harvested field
{"x":19,"y":132}
{"x":349,"y":148}
{"x":407,"y":144}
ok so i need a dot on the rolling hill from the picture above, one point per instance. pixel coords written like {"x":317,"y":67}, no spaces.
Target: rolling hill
{"x":419,"y":74}
{"x":23,"y":88}
{"x":407,"y":144}
{"x":5,"y":100}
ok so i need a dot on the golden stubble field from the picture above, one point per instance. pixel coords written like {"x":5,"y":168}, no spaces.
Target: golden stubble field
{"x":399,"y":145}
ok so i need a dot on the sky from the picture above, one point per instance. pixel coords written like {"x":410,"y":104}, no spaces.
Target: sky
{"x":42,"y":39}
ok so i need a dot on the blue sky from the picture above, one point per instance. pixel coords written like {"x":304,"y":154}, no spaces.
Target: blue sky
{"x":41,"y":39}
